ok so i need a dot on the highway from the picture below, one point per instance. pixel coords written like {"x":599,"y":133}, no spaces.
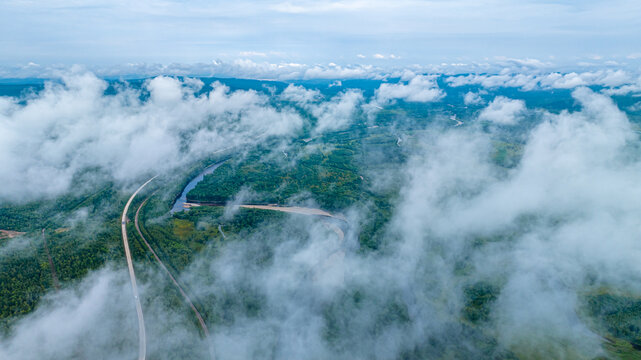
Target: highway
{"x":203,"y":326}
{"x":142,"y":340}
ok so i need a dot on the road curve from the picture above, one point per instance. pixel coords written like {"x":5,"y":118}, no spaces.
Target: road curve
{"x":142,"y":340}
{"x":203,"y":326}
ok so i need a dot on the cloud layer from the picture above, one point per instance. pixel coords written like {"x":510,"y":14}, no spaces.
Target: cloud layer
{"x":73,"y":126}
{"x":562,"y":222}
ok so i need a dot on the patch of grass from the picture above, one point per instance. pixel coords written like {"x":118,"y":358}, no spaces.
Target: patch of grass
{"x":621,"y":349}
{"x":183,"y":228}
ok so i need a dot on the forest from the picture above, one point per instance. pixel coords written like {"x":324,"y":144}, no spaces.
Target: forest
{"x":334,"y":172}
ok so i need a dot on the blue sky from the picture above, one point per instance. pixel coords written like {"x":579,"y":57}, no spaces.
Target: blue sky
{"x":383,"y":33}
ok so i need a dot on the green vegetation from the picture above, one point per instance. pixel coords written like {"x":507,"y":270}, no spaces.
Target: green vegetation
{"x":618,"y":319}
{"x":332,"y":171}
{"x":26,"y":274}
{"x":178,"y":239}
{"x":507,"y":154}
{"x":335,"y":171}
{"x":329,"y":174}
{"x":479,"y":298}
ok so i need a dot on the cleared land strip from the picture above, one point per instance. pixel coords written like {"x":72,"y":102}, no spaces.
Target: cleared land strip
{"x":54,"y":276}
{"x":8,"y":234}
{"x":288,"y":209}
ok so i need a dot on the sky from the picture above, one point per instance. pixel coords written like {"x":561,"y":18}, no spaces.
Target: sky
{"x":382,"y":33}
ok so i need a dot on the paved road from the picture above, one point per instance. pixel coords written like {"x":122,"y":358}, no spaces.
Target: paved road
{"x":142,"y":340}
{"x":203,"y":326}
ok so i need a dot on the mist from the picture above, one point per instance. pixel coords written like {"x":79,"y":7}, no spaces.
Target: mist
{"x":561,"y":222}
{"x":72,"y":130}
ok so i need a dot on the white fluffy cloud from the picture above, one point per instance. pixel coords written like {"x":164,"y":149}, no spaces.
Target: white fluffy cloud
{"x":503,"y":111}
{"x":73,"y":126}
{"x":300,"y":94}
{"x":94,"y":319}
{"x":239,"y":68}
{"x":420,"y":88}
{"x":333,"y":114}
{"x":525,"y":81}
{"x":339,"y":112}
{"x":472,"y":98}
{"x":567,"y":214}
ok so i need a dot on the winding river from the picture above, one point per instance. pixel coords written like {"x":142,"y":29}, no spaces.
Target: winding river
{"x":179,"y":205}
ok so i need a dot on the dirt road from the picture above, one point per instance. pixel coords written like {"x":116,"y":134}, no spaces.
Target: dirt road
{"x":203,"y":326}
{"x":288,"y":209}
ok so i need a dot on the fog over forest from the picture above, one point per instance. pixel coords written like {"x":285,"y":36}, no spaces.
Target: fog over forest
{"x":560,"y":222}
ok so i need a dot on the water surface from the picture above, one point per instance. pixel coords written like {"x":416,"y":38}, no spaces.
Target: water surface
{"x":180,"y":202}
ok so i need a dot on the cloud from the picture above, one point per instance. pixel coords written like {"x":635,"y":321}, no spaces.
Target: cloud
{"x":300,"y":94}
{"x":524,"y":81}
{"x":607,"y":78}
{"x":472,"y":98}
{"x":339,"y":112}
{"x":94,"y":318}
{"x":540,"y":232}
{"x":239,"y":68}
{"x":631,"y":88}
{"x":503,"y":111}
{"x":382,"y":57}
{"x":333,"y":114}
{"x":524,"y":64}
{"x":561,"y":222}
{"x":319,"y":6}
{"x":67,"y":324}
{"x":421,"y":88}
{"x":339,"y":72}
{"x":74,"y":126}
{"x":567,"y":159}
{"x":252,"y":54}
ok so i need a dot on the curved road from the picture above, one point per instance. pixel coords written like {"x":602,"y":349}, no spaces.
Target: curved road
{"x":142,"y":340}
{"x":203,"y":326}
